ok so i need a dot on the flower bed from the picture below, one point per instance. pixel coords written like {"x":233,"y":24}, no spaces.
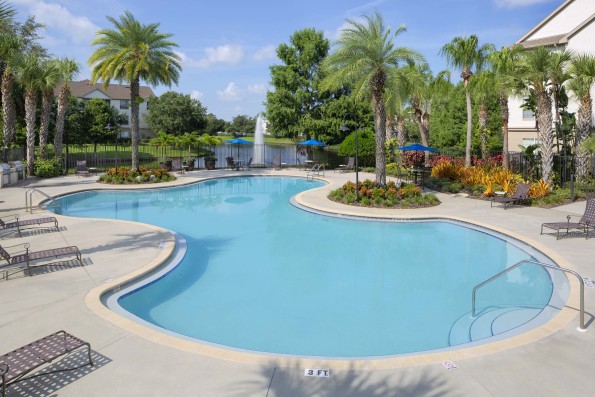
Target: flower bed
{"x":126,"y":176}
{"x":389,"y":196}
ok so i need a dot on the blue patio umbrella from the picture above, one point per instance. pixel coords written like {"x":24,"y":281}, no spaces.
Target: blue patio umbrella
{"x":418,"y":147}
{"x":238,"y":141}
{"x":312,"y":142}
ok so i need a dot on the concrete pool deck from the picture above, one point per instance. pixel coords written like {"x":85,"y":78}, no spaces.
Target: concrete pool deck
{"x":558,"y":362}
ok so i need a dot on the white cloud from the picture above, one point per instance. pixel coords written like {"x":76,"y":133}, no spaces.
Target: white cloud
{"x":257,"y":88}
{"x":265,"y":53}
{"x":225,"y":54}
{"x":80,"y":29}
{"x":230,"y":93}
{"x":195,"y":94}
{"x":518,"y":3}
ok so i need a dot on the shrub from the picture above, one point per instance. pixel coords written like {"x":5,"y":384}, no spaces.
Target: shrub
{"x":48,"y":168}
{"x":389,"y":196}
{"x":126,"y":175}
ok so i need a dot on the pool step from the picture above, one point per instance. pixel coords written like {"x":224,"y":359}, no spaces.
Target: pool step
{"x":489,"y":322}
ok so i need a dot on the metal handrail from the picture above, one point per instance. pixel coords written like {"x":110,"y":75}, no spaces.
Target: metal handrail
{"x":29,"y":198}
{"x":518,"y":264}
{"x":315,"y":170}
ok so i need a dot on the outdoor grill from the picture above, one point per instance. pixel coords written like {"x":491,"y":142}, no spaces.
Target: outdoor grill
{"x":6,"y":177}
{"x":20,"y":169}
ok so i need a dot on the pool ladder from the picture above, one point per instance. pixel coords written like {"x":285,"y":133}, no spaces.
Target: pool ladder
{"x":521,"y":263}
{"x":29,"y":199}
{"x":316,"y":170}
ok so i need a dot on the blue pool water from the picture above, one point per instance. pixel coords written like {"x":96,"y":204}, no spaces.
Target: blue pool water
{"x":260,"y":274}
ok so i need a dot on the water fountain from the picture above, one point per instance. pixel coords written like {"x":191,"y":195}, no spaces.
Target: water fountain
{"x":258,"y":157}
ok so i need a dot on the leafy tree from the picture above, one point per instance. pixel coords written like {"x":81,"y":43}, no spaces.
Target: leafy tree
{"x":582,"y":71}
{"x":449,"y":120}
{"x":242,"y":124}
{"x":68,"y":69}
{"x":97,"y":115}
{"x":367,"y":59}
{"x":296,"y":94}
{"x":366,"y":146}
{"x":504,"y":64}
{"x":134,"y":52}
{"x":483,"y":89}
{"x":176,"y":113}
{"x":214,"y":125}
{"x":163,"y":140}
{"x":465,"y":53}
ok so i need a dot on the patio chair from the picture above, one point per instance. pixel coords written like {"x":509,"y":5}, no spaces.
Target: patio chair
{"x":520,"y":194}
{"x":24,"y":259}
{"x":248,"y":165}
{"x":18,"y":363}
{"x":16,"y":225}
{"x":231,"y":164}
{"x":586,"y":222}
{"x":81,"y":168}
{"x":276,"y":162}
{"x":350,"y":166}
{"x":176,"y":165}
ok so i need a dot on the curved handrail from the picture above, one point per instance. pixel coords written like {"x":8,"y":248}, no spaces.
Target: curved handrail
{"x":29,"y":198}
{"x":518,"y":264}
{"x":317,"y":169}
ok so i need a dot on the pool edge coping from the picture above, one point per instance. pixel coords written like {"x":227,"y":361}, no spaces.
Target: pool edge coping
{"x":93,"y":300}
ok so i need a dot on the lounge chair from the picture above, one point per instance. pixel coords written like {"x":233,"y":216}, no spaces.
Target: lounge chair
{"x":350,"y":166}
{"x":18,"y":363}
{"x":248,"y":165}
{"x":520,"y":194}
{"x":232,"y":164}
{"x":276,"y":162}
{"x":16,"y":225}
{"x":586,"y":222}
{"x":24,"y":258}
{"x":81,"y":168}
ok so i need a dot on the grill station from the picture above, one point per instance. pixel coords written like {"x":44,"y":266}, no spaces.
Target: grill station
{"x":20,"y":169}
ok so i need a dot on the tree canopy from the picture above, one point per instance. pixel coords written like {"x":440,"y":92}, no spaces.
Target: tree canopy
{"x":176,"y":114}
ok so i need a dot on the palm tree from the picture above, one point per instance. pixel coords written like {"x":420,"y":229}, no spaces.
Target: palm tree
{"x":535,"y":70}
{"x":10,"y":47}
{"x":483,"y":88}
{"x":365,"y":59}
{"x":68,"y":69}
{"x":49,"y":79}
{"x":134,"y":52}
{"x":582,"y":70}
{"x":7,"y":12}
{"x":465,"y":53}
{"x":29,"y":71}
{"x":504,"y":64}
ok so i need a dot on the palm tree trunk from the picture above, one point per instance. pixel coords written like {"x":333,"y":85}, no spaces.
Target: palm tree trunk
{"x":44,"y":123}
{"x":583,"y":125}
{"x":30,"y":106}
{"x":483,"y":126}
{"x":60,"y":116}
{"x":8,"y":111}
{"x":469,"y":126}
{"x":134,"y":133}
{"x":380,"y":129}
{"x":546,"y":134}
{"x":504,"y":117}
{"x":401,"y":131}
{"x":423,"y":125}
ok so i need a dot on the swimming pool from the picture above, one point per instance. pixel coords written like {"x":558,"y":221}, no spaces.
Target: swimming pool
{"x":262,"y":275}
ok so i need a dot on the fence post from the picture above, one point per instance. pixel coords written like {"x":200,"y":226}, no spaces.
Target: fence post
{"x":572,"y":187}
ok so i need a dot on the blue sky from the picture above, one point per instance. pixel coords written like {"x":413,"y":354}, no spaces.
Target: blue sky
{"x":228,"y":46}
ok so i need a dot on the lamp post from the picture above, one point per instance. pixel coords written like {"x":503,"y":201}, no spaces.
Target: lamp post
{"x":109,"y":127}
{"x":344,"y":128}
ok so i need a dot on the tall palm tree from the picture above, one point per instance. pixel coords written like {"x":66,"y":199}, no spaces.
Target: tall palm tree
{"x":535,"y":70}
{"x":483,"y":88}
{"x":582,"y":71}
{"x":465,"y":53}
{"x":49,"y":78}
{"x":29,"y":71}
{"x":504,"y":64}
{"x":10,"y":47}
{"x":365,"y":59}
{"x":134,"y":52}
{"x":7,"y":12}
{"x":558,"y":76}
{"x":68,"y":68}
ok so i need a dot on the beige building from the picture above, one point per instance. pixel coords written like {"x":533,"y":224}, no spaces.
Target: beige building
{"x":570,"y":26}
{"x":118,"y":96}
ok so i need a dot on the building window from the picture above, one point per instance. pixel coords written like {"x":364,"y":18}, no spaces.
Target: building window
{"x":529,"y":141}
{"x":124,"y":104}
{"x":528,"y":114}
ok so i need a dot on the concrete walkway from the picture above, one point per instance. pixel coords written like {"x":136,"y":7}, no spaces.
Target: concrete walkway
{"x":127,"y":364}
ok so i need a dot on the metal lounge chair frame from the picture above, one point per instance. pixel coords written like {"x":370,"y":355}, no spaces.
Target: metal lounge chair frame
{"x":350,"y":166}
{"x":17,"y":225}
{"x":521,"y":193}
{"x":586,"y":222}
{"x":17,"y":261}
{"x":81,"y":168}
{"x":18,"y":363}
{"x":276,"y":162}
